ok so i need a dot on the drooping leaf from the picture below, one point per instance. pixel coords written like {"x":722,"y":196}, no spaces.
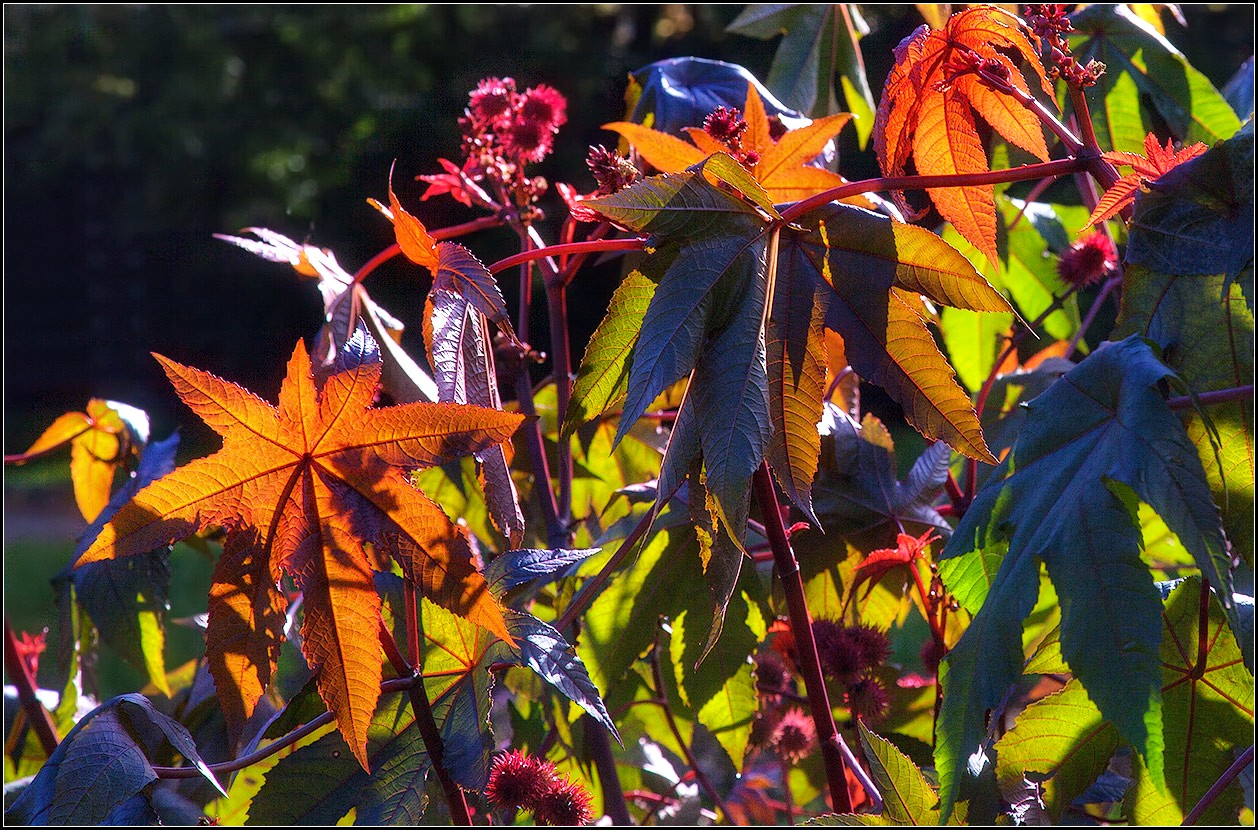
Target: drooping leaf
{"x":101,"y":764}
{"x":543,"y":649}
{"x":1066,"y":495}
{"x":1128,"y":46}
{"x":127,"y":599}
{"x":462,"y":357}
{"x":930,"y":104}
{"x":316,"y":478}
{"x":518,"y":567}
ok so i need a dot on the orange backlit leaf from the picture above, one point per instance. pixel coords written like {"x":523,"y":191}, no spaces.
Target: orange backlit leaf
{"x":412,"y":237}
{"x":300,"y":488}
{"x":1156,"y":162}
{"x":100,"y":442}
{"x":932,"y":98}
{"x":783,"y":168}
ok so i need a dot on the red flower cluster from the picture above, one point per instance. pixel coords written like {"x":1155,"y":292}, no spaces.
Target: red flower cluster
{"x":521,"y":782}
{"x":1088,"y":260}
{"x":612,"y":171}
{"x":1050,"y":24}
{"x":503,"y":131}
{"x":727,"y":125}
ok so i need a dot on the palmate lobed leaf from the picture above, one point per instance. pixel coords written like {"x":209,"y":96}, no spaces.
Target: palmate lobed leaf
{"x":929,"y":104}
{"x":782,"y":170}
{"x":698,"y":309}
{"x":314,"y":479}
{"x":1067,"y":495}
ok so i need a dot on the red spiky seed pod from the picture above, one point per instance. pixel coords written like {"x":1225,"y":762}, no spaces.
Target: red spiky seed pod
{"x":544,"y":105}
{"x":563,"y":804}
{"x":1088,"y":260}
{"x":868,"y":700}
{"x":872,"y":644}
{"x":838,"y":650}
{"x":491,"y":101}
{"x":794,"y":737}
{"x":612,"y":171}
{"x":517,"y":780}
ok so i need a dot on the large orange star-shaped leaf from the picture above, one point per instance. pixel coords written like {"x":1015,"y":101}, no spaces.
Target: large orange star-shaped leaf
{"x":1156,"y":162}
{"x":782,"y":168}
{"x":300,"y":489}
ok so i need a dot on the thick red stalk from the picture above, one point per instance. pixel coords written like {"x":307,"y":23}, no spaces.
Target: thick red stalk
{"x":801,"y":625}
{"x":1027,"y":172}
{"x":1225,"y":780}
{"x":588,"y":246}
{"x":20,"y":676}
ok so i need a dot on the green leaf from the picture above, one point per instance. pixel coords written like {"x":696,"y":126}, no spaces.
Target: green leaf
{"x":1210,"y":344}
{"x":1059,"y":741}
{"x":1065,"y":495}
{"x":720,"y":691}
{"x":603,"y":379}
{"x":1208,"y":700}
{"x":101,"y":764}
{"x":457,"y":656}
{"x":819,"y":42}
{"x":906,"y":795}
{"x":1027,"y":270}
{"x":972,"y":341}
{"x":1114,"y":104}
{"x":1183,"y":97}
{"x":1198,"y":219}
{"x":321,"y":782}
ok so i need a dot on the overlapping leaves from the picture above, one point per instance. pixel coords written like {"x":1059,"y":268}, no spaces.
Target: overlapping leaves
{"x":1062,"y":742}
{"x":756,"y":369}
{"x":299,"y":490}
{"x":1098,"y":440}
{"x":931,"y":100}
{"x":783,"y":168}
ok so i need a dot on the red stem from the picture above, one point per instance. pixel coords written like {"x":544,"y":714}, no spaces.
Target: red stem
{"x":422,"y":707}
{"x":584,"y":247}
{"x":801,"y":625}
{"x":591,"y":589}
{"x":20,"y":675}
{"x":1040,"y":170}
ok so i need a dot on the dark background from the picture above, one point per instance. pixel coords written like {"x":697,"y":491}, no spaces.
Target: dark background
{"x":134,"y":133}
